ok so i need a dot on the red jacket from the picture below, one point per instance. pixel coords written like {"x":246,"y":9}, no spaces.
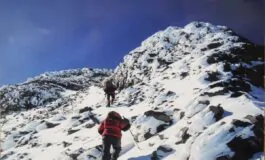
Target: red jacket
{"x":112,"y":126}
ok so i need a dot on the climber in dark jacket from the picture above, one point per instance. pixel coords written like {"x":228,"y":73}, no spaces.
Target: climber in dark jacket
{"x":110,"y":129}
{"x":109,"y":89}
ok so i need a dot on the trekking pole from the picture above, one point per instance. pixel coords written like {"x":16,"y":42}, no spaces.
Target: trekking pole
{"x":135,"y":141}
{"x":134,"y":138}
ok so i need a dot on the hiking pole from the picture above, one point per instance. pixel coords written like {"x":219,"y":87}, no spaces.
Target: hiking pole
{"x":133,"y":138}
{"x":135,"y":141}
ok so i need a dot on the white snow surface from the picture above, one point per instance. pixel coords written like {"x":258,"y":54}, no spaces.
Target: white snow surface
{"x":26,"y":134}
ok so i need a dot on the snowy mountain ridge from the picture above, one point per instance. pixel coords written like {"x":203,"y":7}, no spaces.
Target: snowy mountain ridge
{"x":190,"y":93}
{"x":49,"y":88}
{"x":196,"y":39}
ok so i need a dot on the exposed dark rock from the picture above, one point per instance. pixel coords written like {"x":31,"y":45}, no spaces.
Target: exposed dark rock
{"x":214,"y":45}
{"x":258,"y":128}
{"x":185,"y":136}
{"x":152,"y":54}
{"x":35,"y":144}
{"x":161,"y":127}
{"x":48,"y":144}
{"x":85,"y":109}
{"x":170,"y":93}
{"x":213,"y":76}
{"x":76,"y":117}
{"x":51,"y":125}
{"x":227,"y":67}
{"x":71,"y":131}
{"x":159,"y":116}
{"x":5,"y":156}
{"x":89,"y":125}
{"x":236,"y":94}
{"x":239,"y":123}
{"x":221,"y":57}
{"x":76,"y":153}
{"x":255,"y":119}
{"x":176,"y":109}
{"x":244,"y":148}
{"x":24,"y":132}
{"x":161,"y":136}
{"x":217,"y":93}
{"x":182,"y":114}
{"x":203,"y":49}
{"x":233,"y":85}
{"x":165,"y":149}
{"x":99,"y":148}
{"x":218,"y":112}
{"x":22,"y":141}
{"x":163,"y":62}
{"x":206,"y":102}
{"x":184,"y":74}
{"x":251,"y":118}
{"x":150,"y":60}
{"x":91,"y":157}
{"x":66,"y":144}
{"x":148,"y":135}
{"x":166,"y":77}
{"x":231,"y":130}
{"x":151,"y":144}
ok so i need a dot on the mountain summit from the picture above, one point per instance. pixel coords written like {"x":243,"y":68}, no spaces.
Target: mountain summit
{"x":194,"y":93}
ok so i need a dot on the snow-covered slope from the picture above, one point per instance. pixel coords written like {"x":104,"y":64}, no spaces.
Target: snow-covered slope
{"x":49,"y":88}
{"x":190,"y":93}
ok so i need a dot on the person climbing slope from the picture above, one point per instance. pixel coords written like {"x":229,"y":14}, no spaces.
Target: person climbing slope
{"x":109,"y":89}
{"x":110,"y":129}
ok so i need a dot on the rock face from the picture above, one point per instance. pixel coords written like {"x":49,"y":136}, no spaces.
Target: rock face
{"x":245,"y":148}
{"x":161,"y":152}
{"x":159,"y":116}
{"x":160,"y":121}
{"x":218,"y":112}
{"x":191,"y":93}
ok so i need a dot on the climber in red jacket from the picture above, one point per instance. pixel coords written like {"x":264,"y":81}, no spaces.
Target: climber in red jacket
{"x":110,"y":129}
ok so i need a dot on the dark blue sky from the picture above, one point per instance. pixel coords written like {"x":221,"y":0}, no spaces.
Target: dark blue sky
{"x":49,"y":35}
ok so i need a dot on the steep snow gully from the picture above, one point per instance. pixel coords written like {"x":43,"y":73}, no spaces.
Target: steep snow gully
{"x":191,"y":93}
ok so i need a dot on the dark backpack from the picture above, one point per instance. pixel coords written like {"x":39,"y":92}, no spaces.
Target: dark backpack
{"x":127,"y":126}
{"x":109,"y":86}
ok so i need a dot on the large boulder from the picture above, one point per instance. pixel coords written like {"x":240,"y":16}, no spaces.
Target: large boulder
{"x":150,"y":123}
{"x":246,"y":147}
{"x":161,"y":152}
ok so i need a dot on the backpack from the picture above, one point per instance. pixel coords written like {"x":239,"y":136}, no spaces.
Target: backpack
{"x":108,"y":85}
{"x":127,"y":124}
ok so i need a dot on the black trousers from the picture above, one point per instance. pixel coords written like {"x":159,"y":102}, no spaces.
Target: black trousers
{"x":109,"y":141}
{"x":112,"y":95}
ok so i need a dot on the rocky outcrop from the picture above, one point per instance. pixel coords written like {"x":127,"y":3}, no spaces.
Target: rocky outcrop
{"x":245,"y":148}
{"x":161,"y":152}
{"x":143,"y":128}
